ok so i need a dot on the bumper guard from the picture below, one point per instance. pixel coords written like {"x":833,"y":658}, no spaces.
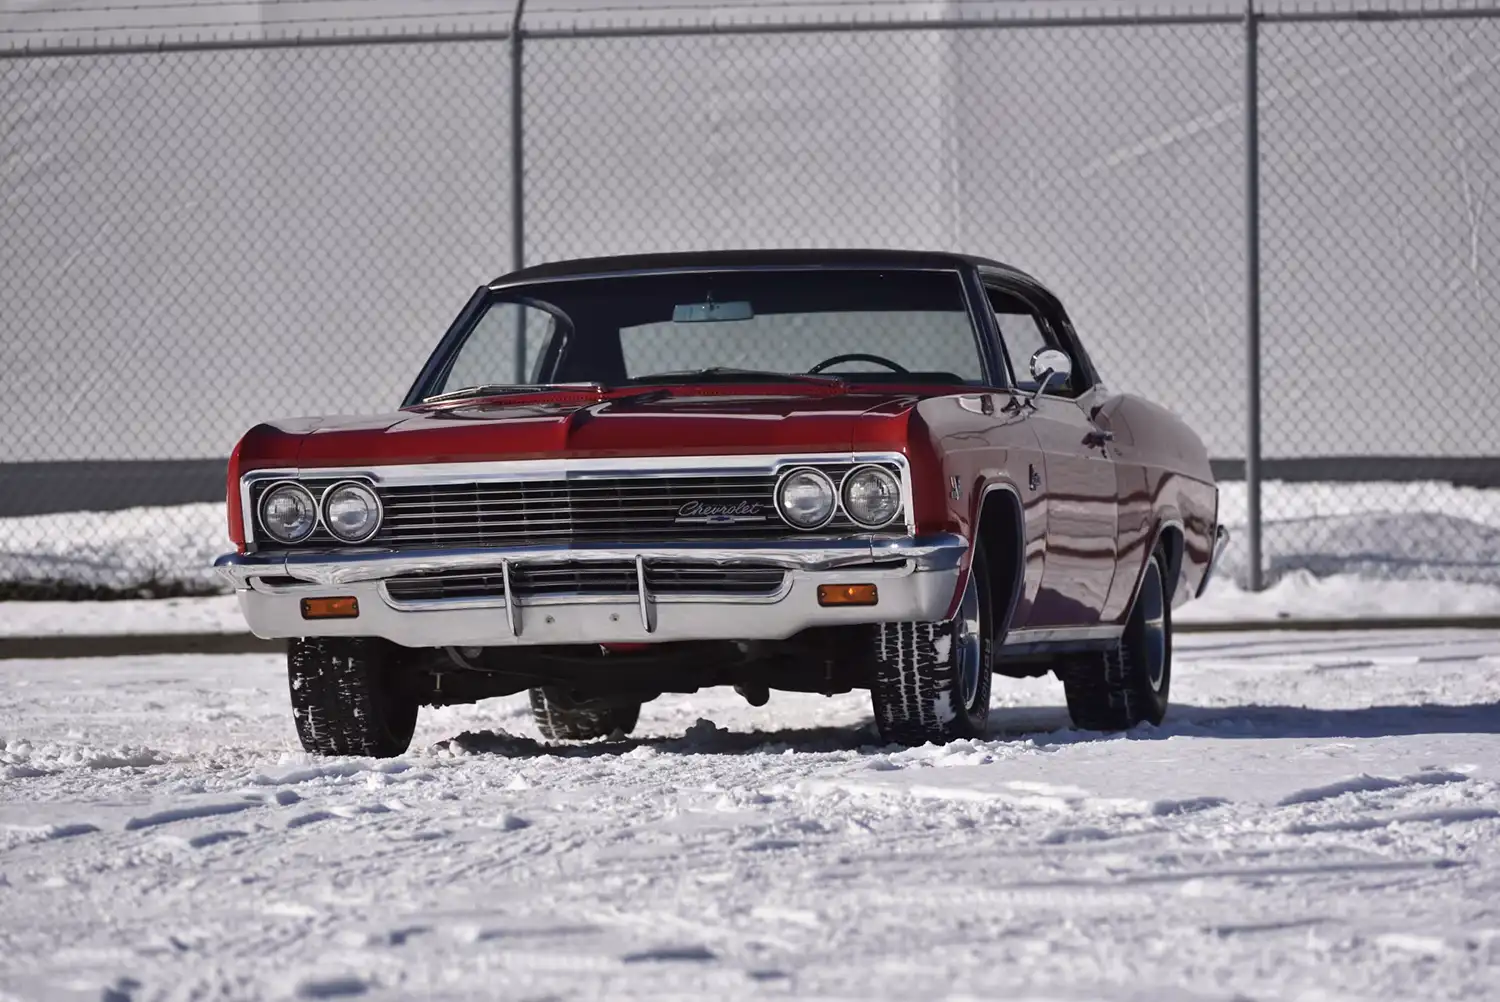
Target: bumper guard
{"x":916,"y":578}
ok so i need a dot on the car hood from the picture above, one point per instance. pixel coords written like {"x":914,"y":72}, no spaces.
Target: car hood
{"x":614,"y":425}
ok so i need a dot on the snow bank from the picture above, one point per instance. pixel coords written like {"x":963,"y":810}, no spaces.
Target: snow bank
{"x":1386,"y":531}
{"x":128,"y":549}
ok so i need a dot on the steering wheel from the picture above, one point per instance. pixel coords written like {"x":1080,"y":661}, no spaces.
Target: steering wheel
{"x":857,"y":357}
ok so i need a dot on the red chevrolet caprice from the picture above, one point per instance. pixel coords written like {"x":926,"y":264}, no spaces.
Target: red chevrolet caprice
{"x":804,"y":470}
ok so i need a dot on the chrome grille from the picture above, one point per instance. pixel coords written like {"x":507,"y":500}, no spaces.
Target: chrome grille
{"x":538,"y":580}
{"x":583,"y":509}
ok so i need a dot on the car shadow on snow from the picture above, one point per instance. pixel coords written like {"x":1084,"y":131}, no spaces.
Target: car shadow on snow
{"x":1353,"y":722}
{"x":703,"y":738}
{"x":1039,"y":725}
{"x":1050,"y":725}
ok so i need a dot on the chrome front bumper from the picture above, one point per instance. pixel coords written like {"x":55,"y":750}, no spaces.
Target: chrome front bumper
{"x":920,"y":585}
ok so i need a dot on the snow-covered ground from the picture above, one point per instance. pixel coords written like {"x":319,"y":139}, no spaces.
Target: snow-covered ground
{"x":208,"y":614}
{"x":1320,"y":820}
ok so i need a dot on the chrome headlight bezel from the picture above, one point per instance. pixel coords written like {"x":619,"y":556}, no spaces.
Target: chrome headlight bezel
{"x":292,"y":487}
{"x":374,"y":504}
{"x":881,"y":473}
{"x":827,"y":483}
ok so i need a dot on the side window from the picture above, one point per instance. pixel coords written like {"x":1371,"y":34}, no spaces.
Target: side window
{"x":489,"y":354}
{"x":1022,"y":334}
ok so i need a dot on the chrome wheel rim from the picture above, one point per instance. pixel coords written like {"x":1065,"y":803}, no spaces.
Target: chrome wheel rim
{"x":966,"y":644}
{"x":1153,"y":615}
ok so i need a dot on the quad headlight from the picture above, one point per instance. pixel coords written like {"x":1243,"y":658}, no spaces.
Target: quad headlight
{"x":351,"y":511}
{"x":806,"y":498}
{"x":288,"y":513}
{"x":872,"y":497}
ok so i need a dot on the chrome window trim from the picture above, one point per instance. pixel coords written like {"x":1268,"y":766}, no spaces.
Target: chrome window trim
{"x":504,"y":284}
{"x":504,"y":471}
{"x":966,"y":272}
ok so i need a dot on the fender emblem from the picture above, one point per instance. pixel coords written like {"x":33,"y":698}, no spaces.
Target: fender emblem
{"x":720,"y":513}
{"x":1036,"y":478}
{"x":955,"y":488}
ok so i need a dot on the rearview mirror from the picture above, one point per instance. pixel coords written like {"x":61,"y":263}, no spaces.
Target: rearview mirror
{"x":1050,"y":365}
{"x":691,"y":313}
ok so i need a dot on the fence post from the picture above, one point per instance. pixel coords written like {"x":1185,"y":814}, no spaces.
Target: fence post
{"x":517,"y":178}
{"x":1252,"y":295}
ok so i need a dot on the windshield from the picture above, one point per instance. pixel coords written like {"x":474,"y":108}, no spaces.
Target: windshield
{"x":908,"y":326}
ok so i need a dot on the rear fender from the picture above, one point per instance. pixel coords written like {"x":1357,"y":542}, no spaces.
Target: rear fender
{"x":1168,"y":520}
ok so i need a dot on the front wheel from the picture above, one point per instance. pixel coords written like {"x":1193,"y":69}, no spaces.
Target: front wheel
{"x":1128,"y":684}
{"x":347,"y":696}
{"x":932,"y":680}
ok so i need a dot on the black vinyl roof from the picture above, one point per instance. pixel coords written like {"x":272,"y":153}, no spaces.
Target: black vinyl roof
{"x":728,"y":259}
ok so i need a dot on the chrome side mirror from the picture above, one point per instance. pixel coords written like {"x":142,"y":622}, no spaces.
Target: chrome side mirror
{"x":1050,"y":364}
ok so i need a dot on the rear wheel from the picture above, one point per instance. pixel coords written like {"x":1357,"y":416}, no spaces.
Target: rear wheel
{"x":562,"y":718}
{"x":1130,"y":683}
{"x":932,"y":680}
{"x":347,"y":696}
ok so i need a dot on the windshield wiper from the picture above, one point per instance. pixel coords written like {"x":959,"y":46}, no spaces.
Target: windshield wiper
{"x":506,"y":389}
{"x":748,"y":375}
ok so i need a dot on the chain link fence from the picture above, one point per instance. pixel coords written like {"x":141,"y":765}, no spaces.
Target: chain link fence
{"x":1380,"y":152}
{"x":202,"y":235}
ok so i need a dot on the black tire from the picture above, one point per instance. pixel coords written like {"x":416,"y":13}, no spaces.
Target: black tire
{"x":1131,"y":683}
{"x":561,"y":718}
{"x":347,"y":698}
{"x":926,"y":687}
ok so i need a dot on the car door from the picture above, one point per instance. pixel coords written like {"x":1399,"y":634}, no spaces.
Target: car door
{"x":1078,"y":475}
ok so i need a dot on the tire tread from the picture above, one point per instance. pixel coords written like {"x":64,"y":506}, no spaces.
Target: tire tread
{"x":562,"y":719}
{"x":1108,"y":691}
{"x":915,"y":691}
{"x":344,"y":697}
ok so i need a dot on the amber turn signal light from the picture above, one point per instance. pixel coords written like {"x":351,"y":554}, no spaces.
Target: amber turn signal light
{"x":330,"y":608}
{"x":847,"y":594}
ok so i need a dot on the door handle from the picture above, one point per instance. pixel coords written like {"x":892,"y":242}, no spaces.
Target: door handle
{"x":1099,"y":436}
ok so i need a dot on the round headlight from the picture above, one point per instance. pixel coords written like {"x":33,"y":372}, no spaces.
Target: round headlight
{"x":351,"y":511}
{"x":288,"y":513}
{"x":872,"y":497}
{"x":805,"y":498}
